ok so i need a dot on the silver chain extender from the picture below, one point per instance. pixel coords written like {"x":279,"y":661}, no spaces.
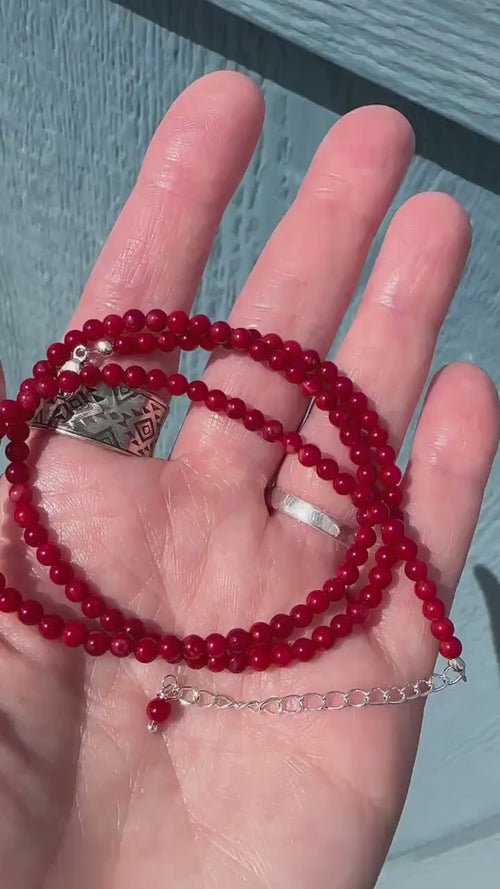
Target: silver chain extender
{"x":189,"y":695}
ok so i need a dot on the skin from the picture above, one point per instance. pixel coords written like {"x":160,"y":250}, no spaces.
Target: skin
{"x":87,"y":796}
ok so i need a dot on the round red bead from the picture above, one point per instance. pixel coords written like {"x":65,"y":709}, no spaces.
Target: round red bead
{"x":260,"y":658}
{"x":50,"y":626}
{"x":158,"y":710}
{"x":74,"y":634}
{"x":96,"y":643}
{"x":146,"y":649}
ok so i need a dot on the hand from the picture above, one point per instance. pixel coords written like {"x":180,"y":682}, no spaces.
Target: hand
{"x":229,"y":799}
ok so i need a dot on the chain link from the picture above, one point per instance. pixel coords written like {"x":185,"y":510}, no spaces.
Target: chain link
{"x":312,"y":701}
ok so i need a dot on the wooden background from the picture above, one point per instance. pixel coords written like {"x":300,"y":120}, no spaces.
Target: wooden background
{"x":84,"y":85}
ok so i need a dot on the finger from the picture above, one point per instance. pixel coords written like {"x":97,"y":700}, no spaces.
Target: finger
{"x":156,"y":252}
{"x":454,"y":446}
{"x":307,"y":273}
{"x":389,"y":346}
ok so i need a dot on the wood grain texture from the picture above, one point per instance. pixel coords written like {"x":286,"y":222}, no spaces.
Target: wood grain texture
{"x":440,"y":54}
{"x":84,"y":86}
{"x":474,"y":862}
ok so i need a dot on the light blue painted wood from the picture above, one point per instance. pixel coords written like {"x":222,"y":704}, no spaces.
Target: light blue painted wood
{"x":84,"y":86}
{"x":440,"y":54}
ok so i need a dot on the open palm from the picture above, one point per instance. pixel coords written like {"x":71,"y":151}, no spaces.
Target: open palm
{"x":226,"y":799}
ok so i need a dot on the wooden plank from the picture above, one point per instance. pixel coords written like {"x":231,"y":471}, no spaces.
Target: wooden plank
{"x":442,"y":55}
{"x":466,"y":862}
{"x":74,"y":126}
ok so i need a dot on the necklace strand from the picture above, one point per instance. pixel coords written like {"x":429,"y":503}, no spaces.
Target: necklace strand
{"x":374,"y":490}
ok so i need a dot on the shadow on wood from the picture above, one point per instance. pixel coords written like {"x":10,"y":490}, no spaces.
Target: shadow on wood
{"x":490,"y":587}
{"x":448,"y":144}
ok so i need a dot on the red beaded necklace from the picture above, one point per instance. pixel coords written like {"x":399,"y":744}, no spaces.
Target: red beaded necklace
{"x":374,"y":489}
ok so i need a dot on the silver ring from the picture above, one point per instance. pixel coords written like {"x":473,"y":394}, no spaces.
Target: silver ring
{"x":121,"y":419}
{"x":307,"y":514}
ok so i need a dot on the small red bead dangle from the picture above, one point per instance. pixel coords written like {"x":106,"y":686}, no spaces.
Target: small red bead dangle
{"x":159,"y":709}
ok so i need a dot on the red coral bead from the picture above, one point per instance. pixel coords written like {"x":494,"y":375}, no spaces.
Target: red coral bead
{"x":358,"y":612}
{"x":237,"y":640}
{"x":260,"y":634}
{"x":216,"y":400}
{"x":166,"y":342}
{"x":425,"y":589}
{"x":134,"y":320}
{"x":75,"y":590}
{"x":272,"y":430}
{"x":93,"y":329}
{"x":442,"y":628}
{"x":61,"y":573}
{"x":145,"y":343}
{"x":241,"y":339}
{"x":197,"y":390}
{"x":341,"y":625}
{"x":433,"y":609}
{"x":134,"y":628}
{"x":301,"y":615}
{"x":220,"y":332}
{"x":194,"y":647}
{"x":96,"y":643}
{"x":90,"y":375}
{"x":170,"y":649}
{"x":177,"y":384}
{"x":335,"y":587}
{"x":235,"y":408}
{"x":74,"y":634}
{"x":327,"y":469}
{"x":69,"y":381}
{"x":291,"y":442}
{"x":281,"y":654}
{"x":450,"y":648}
{"x":309,"y":455}
{"x":120,"y":645}
{"x":111,"y":620}
{"x":30,"y":612}
{"x":48,"y":554}
{"x":415,"y":569}
{"x":380,"y":576}
{"x":93,"y":606}
{"x":156,"y":320}
{"x":178,"y":321}
{"x":260,"y":658}
{"x":158,"y":710}
{"x":392,"y":531}
{"x":113,"y":375}
{"x":146,"y":650}
{"x":50,"y":626}
{"x":303,"y":649}
{"x":253,"y":420}
{"x":371,"y":596}
{"x":217,"y":663}
{"x":365,"y":537}
{"x":237,"y":662}
{"x":113,"y":325}
{"x":135,"y":376}
{"x":318,"y":601}
{"x":278,"y":360}
{"x":216,"y":645}
{"x":47,"y":387}
{"x":10,"y":600}
{"x":406,"y":549}
{"x":282,"y":625}
{"x":74,"y":338}
{"x":17,"y":473}
{"x":344,"y":484}
{"x":35,"y":535}
{"x":323,"y":638}
{"x":20,"y":493}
